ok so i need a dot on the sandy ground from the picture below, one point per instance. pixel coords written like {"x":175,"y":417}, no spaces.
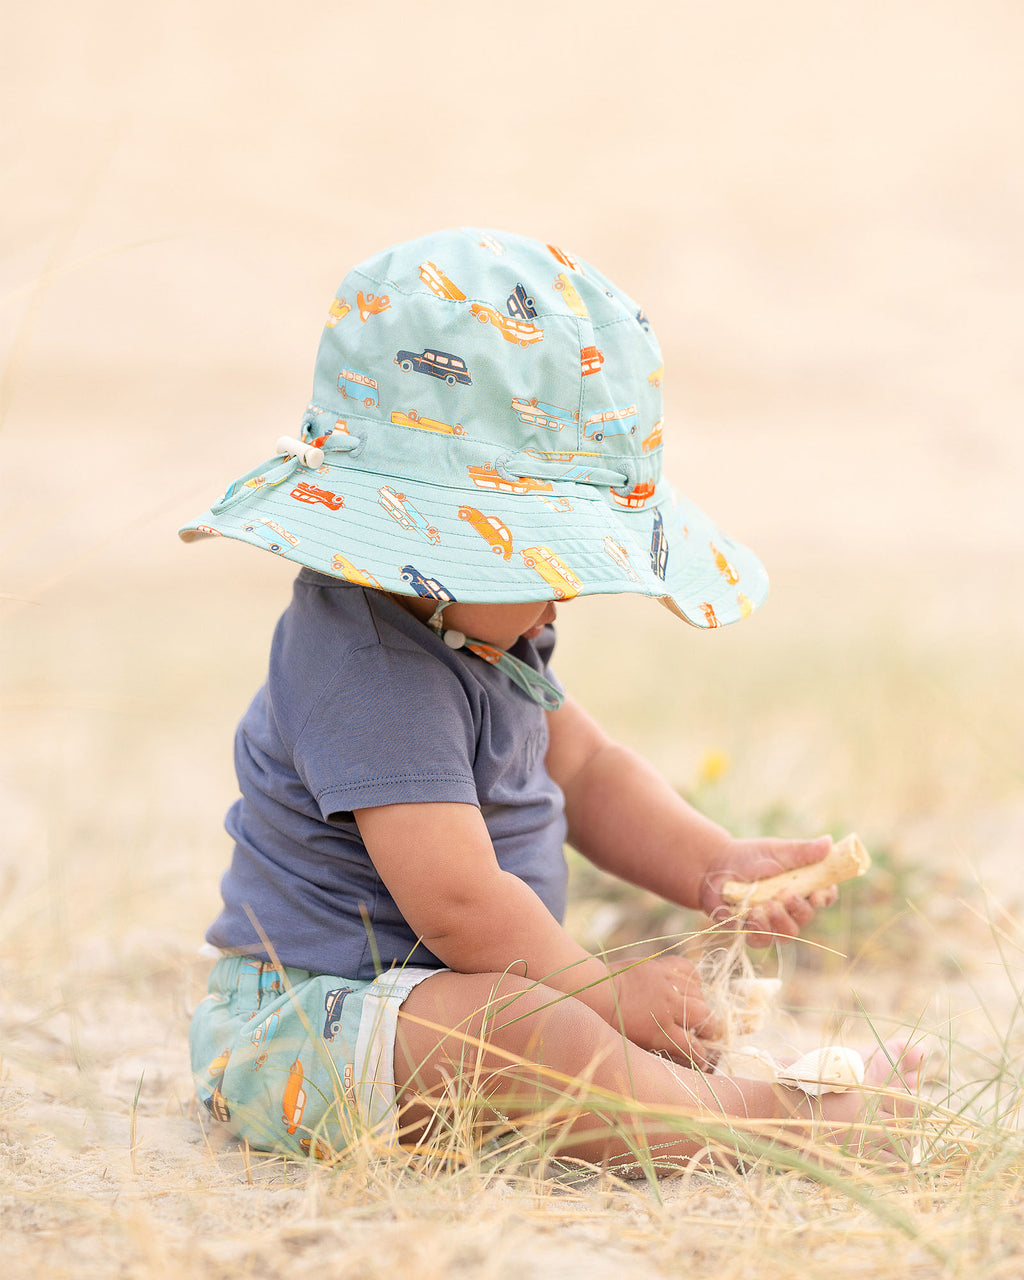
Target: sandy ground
{"x":820,"y":208}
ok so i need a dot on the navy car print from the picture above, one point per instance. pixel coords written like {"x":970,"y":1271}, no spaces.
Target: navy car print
{"x":439,"y":364}
{"x":520,"y":304}
{"x":332,"y":1004}
{"x":659,"y":547}
{"x":429,"y":588}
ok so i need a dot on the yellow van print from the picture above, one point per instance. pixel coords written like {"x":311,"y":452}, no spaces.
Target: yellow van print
{"x":338,"y":309}
{"x":552,"y":568}
{"x":413,"y":419}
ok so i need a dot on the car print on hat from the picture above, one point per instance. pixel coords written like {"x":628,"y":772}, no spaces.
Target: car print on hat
{"x":440,"y":454}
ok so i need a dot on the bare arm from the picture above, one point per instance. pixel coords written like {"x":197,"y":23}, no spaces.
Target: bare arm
{"x":625,"y":818}
{"x":439,"y":865}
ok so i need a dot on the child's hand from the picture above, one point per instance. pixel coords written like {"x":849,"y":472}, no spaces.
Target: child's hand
{"x":753,"y":860}
{"x":660,"y":1006}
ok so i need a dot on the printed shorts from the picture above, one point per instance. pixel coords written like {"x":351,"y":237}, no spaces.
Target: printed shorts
{"x":298,"y":1062}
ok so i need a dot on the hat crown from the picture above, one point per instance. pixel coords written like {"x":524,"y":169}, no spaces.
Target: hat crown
{"x":500,"y":340}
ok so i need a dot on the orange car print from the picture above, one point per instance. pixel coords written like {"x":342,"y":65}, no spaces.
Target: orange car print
{"x":561,"y":505}
{"x":511,"y":330}
{"x":413,"y":419}
{"x":566,"y":259}
{"x":637,"y":496}
{"x":371,"y":304}
{"x":316,"y":1148}
{"x":294,"y":1100}
{"x":497,"y":534}
{"x":311,"y":495}
{"x":556,"y":573}
{"x":543,"y":456}
{"x":709,"y":613}
{"x":654,"y":439}
{"x":485,"y":651}
{"x":487,"y":478}
{"x":590,"y":360}
{"x":723,"y":566}
{"x":434,"y":278}
{"x":338,"y":309}
{"x":208,"y":529}
{"x":570,"y":294}
{"x":655,"y":378}
{"x":348,"y":570}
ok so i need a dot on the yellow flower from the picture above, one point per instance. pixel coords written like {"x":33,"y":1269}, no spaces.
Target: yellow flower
{"x":714,"y":764}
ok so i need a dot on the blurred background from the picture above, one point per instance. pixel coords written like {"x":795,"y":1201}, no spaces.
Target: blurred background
{"x":820,"y":206}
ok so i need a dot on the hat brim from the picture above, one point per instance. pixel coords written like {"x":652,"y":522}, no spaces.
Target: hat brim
{"x":490,"y":542}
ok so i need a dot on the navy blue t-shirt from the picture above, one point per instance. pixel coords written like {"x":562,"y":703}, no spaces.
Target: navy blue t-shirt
{"x":364,"y":705}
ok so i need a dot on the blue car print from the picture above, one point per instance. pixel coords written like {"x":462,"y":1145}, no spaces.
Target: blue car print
{"x":428,"y":588}
{"x":659,"y":547}
{"x":613,"y":422}
{"x":520,"y":304}
{"x":439,"y":364}
{"x":356,"y":385}
{"x":333,"y":1001}
{"x":539,"y":414}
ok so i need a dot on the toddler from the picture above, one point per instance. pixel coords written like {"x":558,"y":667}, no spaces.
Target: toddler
{"x":484,"y":442}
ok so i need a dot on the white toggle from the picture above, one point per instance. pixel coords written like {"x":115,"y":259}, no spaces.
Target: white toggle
{"x":454,"y":639}
{"x":308,"y":454}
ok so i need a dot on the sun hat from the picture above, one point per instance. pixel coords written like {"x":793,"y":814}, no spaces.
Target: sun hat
{"x":486,"y":426}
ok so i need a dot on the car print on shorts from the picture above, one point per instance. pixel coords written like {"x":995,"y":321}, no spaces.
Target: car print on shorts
{"x":428,"y":588}
{"x":371,"y":304}
{"x":439,"y":364}
{"x":436,"y":280}
{"x":723,"y":566}
{"x":277,"y":539}
{"x":497,"y":534}
{"x":220,"y":1064}
{"x":333,"y":1002}
{"x":556,"y":573}
{"x":399,"y":508}
{"x":354,"y":384}
{"x":612,"y":422}
{"x":413,"y":419}
{"x":659,"y":547}
{"x":637,"y":497}
{"x":348,"y":571}
{"x":591,"y":360}
{"x":261,"y":1036}
{"x":620,"y":555}
{"x":486,"y":477}
{"x":338,"y":310}
{"x":520,"y":305}
{"x":538,"y":414}
{"x":511,"y":330}
{"x":571,"y":295}
{"x":293,"y":1101}
{"x":217,"y":1105}
{"x":310,"y":494}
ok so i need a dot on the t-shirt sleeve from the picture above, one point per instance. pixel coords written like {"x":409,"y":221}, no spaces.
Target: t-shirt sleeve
{"x":394,"y":727}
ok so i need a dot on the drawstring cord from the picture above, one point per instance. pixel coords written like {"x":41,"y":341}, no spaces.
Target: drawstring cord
{"x":532,"y":683}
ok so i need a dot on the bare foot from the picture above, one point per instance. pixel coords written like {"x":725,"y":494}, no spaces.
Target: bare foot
{"x":876,"y":1120}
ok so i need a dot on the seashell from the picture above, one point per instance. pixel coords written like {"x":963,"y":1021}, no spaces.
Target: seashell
{"x":829,"y":1070}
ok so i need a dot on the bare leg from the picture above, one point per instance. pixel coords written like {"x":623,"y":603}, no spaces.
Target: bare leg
{"x":520,"y":1045}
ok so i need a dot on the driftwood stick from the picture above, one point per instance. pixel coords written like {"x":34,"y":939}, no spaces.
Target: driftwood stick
{"x":844,"y":861}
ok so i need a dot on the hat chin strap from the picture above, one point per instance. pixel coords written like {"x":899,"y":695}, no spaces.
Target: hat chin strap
{"x":532,"y":683}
